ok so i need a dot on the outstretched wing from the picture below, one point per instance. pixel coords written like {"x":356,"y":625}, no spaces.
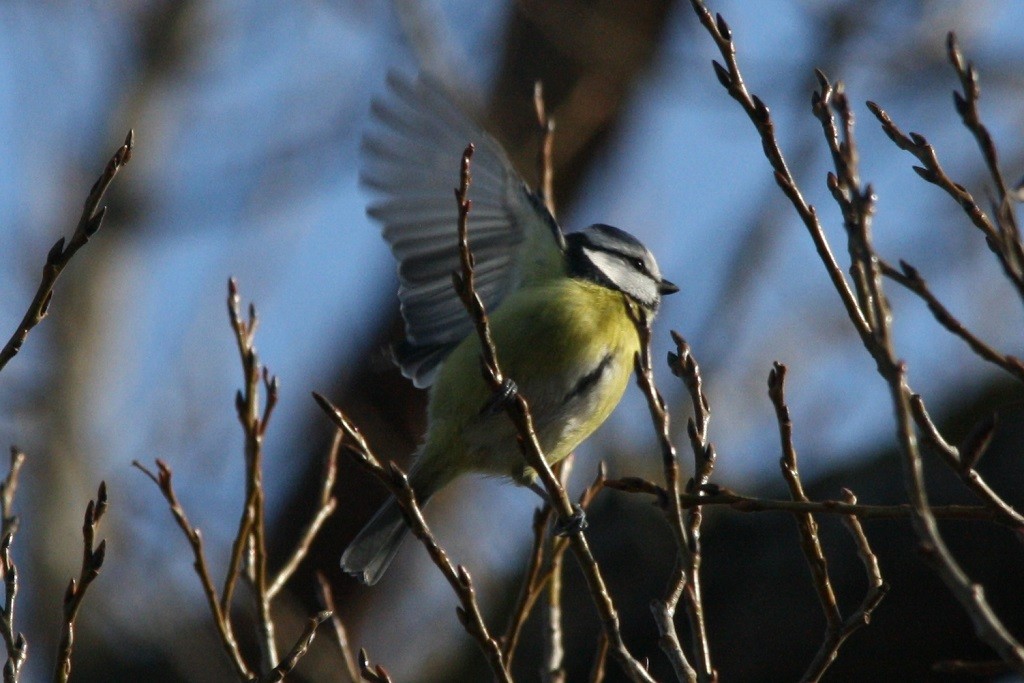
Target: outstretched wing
{"x":411,"y":158}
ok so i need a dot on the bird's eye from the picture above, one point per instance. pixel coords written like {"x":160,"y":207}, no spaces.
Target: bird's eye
{"x":639,"y":265}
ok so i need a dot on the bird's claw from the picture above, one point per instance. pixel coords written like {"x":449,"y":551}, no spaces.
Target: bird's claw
{"x":500,"y":398}
{"x":575,"y":524}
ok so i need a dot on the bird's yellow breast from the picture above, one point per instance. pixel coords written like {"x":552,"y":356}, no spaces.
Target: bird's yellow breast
{"x":569,"y":346}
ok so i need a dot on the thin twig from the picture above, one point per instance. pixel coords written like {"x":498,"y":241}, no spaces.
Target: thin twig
{"x":907,"y":276}
{"x":92,"y":561}
{"x":721,"y":496}
{"x":685,"y":580}
{"x":9,"y":487}
{"x":810,"y":542}
{"x":963,"y":463}
{"x":340,"y":633}
{"x":326,"y":505}
{"x":967,"y":106}
{"x":552,"y":668}
{"x":162,"y":478}
{"x":931,"y":171}
{"x":597,"y":670}
{"x":684,"y":365}
{"x":60,"y":254}
{"x":527,"y":594}
{"x":14,"y":642}
{"x":877,"y":589}
{"x":373,"y":674}
{"x":397,"y":483}
{"x":557,"y":549}
{"x":877,"y":339}
{"x":299,"y":650}
{"x":732,"y":80}
{"x":251,"y":534}
{"x":545,"y":161}
{"x":519,"y":412}
{"x":986,"y":670}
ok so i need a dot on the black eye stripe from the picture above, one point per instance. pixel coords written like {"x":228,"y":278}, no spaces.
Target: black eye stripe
{"x":632,"y":259}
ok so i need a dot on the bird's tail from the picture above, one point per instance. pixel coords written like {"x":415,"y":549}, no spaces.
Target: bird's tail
{"x":371,"y":551}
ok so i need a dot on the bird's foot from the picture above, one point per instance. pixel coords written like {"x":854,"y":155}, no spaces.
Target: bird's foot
{"x":500,"y":398}
{"x":578,"y":521}
{"x":573,"y":525}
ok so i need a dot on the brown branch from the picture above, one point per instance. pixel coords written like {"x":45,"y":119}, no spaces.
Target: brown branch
{"x":558,"y":546}
{"x":967,"y":106}
{"x":327,"y":503}
{"x":732,"y":80}
{"x":299,"y":650}
{"x":534,"y":582}
{"x":685,"y":579}
{"x":519,"y":412}
{"x":8,"y":487}
{"x":877,"y":340}
{"x":964,"y":466}
{"x":597,"y":670}
{"x":340,"y":633}
{"x":684,"y":365}
{"x":527,"y":591}
{"x":988,"y":669}
{"x":162,"y":478}
{"x":810,"y":542}
{"x":251,"y":536}
{"x":92,"y":562}
{"x":14,"y":642}
{"x":545,"y":163}
{"x":719,"y":495}
{"x":395,"y":480}
{"x":931,"y":171}
{"x":907,"y":276}
{"x":877,"y":590}
{"x":373,"y":674}
{"x":60,"y":254}
{"x":552,"y":668}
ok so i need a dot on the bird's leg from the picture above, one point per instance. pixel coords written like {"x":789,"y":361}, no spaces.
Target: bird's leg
{"x":500,"y":398}
{"x":578,"y":521}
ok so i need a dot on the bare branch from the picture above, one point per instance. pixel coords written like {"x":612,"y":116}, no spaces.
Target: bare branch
{"x":398,"y":484}
{"x":299,"y":649}
{"x":875,"y":332}
{"x":373,"y":674}
{"x":327,"y":504}
{"x":809,"y":540}
{"x":92,"y":562}
{"x":877,"y":589}
{"x":8,"y":487}
{"x":251,"y":534}
{"x":340,"y":634}
{"x":545,"y":162}
{"x":722,"y":496}
{"x":60,"y":254}
{"x":162,"y":478}
{"x":14,"y":642}
{"x":519,"y":412}
{"x":909,"y":277}
{"x":931,"y":171}
{"x":686,"y":575}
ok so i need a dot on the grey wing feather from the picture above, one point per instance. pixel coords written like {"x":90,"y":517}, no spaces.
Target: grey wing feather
{"x":411,"y":160}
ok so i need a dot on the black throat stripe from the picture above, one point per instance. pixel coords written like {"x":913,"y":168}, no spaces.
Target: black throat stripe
{"x":587,"y":382}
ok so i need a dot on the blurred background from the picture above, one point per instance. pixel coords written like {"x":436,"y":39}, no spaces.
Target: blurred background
{"x":248,"y":118}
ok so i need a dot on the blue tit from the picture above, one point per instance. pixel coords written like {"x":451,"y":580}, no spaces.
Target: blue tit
{"x":557,"y":303}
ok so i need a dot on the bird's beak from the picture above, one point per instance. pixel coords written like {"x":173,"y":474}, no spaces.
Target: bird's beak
{"x":666,"y":287}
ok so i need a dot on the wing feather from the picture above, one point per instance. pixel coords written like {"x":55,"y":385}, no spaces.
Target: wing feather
{"x":410,"y":158}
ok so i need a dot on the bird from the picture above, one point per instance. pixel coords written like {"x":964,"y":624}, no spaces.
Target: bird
{"x":556,"y":302}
